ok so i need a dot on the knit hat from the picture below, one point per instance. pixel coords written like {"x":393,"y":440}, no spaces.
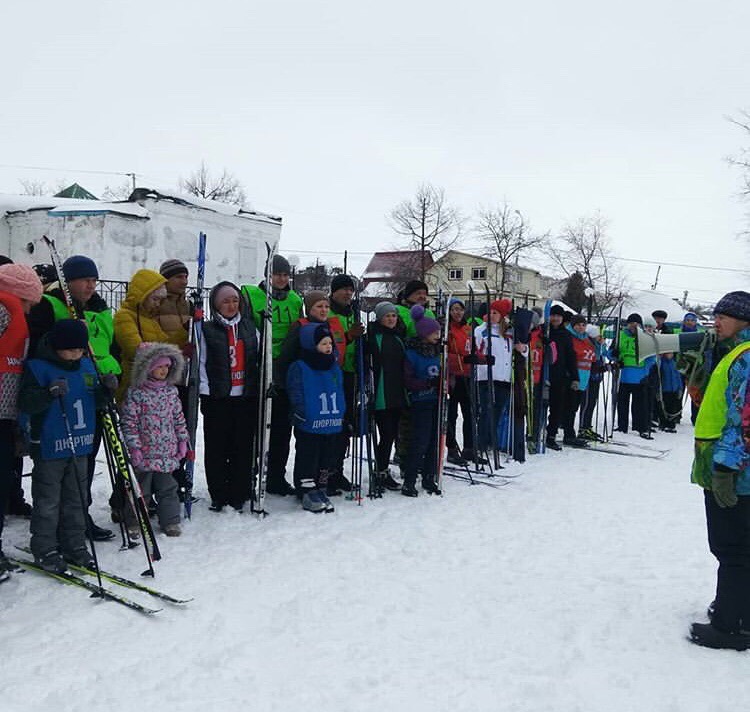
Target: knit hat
{"x":734,"y":304}
{"x":341,"y":281}
{"x":21,"y":281}
{"x":413,"y":286}
{"x":455,"y":300}
{"x":659,"y":313}
{"x":383,"y":308}
{"x":312,"y":298}
{"x":592,"y":330}
{"x":171,"y":268}
{"x":69,"y":334}
{"x":310,"y":335}
{"x":280,"y":265}
{"x":557,"y":310}
{"x":635,"y":318}
{"x":649,"y":321}
{"x":694,"y":316}
{"x":502,"y":306}
{"x":423,"y":324}
{"x":577,"y":319}
{"x":79,"y":267}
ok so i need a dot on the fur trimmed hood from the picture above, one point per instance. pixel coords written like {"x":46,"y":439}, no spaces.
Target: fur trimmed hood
{"x":147,"y":353}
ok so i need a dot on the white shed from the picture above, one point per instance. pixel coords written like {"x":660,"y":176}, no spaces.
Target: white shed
{"x":151,"y":226}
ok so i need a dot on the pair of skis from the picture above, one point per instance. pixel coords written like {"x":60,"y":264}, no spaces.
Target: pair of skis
{"x":77,"y":579}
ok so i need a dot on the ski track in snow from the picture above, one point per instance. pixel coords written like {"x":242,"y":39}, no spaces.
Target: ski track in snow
{"x":571,"y":589}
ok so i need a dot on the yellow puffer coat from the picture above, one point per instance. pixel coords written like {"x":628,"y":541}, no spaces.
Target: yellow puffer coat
{"x":133,"y":325}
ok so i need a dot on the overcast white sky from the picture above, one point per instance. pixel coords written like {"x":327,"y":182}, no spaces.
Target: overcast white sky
{"x":332,"y":112}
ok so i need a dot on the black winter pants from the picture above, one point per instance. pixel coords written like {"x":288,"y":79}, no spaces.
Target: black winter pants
{"x":314,"y":460}
{"x":588,"y":404}
{"x":422,"y":453}
{"x":349,"y":420}
{"x":228,"y":436}
{"x":7,"y":467}
{"x":387,"y":421}
{"x":729,"y":541}
{"x":459,"y":396}
{"x":558,"y":393}
{"x":572,"y":403}
{"x":638,"y":408}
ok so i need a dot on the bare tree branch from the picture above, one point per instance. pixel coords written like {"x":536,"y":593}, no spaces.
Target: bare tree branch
{"x":225,"y":188}
{"x":506,"y":235}
{"x":427,"y":222}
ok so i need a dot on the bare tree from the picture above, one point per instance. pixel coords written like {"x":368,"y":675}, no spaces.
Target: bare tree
{"x":118,"y":192}
{"x":583,"y":247}
{"x":742,"y":160}
{"x":34,"y":187}
{"x":225,"y":188}
{"x":506,"y":236}
{"x":428,"y":222}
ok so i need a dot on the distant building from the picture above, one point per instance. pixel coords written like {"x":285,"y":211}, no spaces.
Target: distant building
{"x":455,"y":268}
{"x":154,"y":224}
{"x":388,"y":272}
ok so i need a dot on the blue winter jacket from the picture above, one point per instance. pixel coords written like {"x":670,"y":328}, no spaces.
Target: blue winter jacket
{"x":671,"y":380}
{"x":729,"y":450}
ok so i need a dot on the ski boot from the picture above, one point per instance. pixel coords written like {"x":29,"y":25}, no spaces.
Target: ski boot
{"x":454,"y":457}
{"x":81,"y":557}
{"x":409,"y":491}
{"x":99,"y":533}
{"x":551,"y":444}
{"x":327,"y":504}
{"x":709,"y":637}
{"x":646,"y":435}
{"x":311,"y":502}
{"x":52,"y":562}
{"x":6,"y":565}
{"x":575,"y":442}
{"x":388,"y":482}
{"x":173,"y":530}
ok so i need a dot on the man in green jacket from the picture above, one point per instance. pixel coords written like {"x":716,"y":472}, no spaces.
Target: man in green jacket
{"x":722,"y":468}
{"x":287,"y":309}
{"x":415,"y":292}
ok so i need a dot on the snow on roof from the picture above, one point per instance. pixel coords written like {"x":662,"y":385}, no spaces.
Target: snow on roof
{"x":646,"y":301}
{"x":174,"y":194}
{"x":377,"y":289}
{"x":383,"y":265}
{"x":99,"y":207}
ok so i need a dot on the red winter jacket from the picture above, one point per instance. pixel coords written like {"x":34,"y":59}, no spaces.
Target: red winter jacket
{"x":459,"y":346}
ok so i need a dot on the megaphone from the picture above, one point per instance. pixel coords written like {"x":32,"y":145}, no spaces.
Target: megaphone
{"x":650,"y":344}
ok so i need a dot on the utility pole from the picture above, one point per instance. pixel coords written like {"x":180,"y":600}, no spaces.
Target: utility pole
{"x":656,"y":280}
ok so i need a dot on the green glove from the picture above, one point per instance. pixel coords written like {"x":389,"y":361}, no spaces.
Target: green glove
{"x":722,"y":485}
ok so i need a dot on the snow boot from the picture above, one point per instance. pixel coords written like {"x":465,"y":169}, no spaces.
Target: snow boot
{"x":552,"y":444}
{"x":454,"y":457}
{"x":709,"y":637}
{"x":311,"y":502}
{"x":134,"y":531}
{"x":589,"y":434}
{"x":409,"y":491}
{"x":281,"y":488}
{"x":326,"y":502}
{"x":52,"y":562}
{"x":216,"y":507}
{"x":340,"y":482}
{"x":646,"y":435}
{"x":98,"y":533}
{"x":430,"y":487}
{"x":173,"y":530}
{"x":387,"y":481}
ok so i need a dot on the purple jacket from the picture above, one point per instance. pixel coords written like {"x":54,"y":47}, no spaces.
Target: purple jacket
{"x":152,"y":420}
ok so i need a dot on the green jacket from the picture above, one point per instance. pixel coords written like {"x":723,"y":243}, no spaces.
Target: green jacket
{"x":408,"y":321}
{"x":101,"y":333}
{"x":346,"y":322}
{"x":285,"y":312}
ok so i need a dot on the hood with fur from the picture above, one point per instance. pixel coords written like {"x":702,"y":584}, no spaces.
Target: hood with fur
{"x":147,"y":353}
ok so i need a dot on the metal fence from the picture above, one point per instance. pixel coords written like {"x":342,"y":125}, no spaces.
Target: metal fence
{"x":113,"y":292}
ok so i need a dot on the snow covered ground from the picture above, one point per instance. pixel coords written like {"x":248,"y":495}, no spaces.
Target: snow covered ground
{"x":570,"y":589}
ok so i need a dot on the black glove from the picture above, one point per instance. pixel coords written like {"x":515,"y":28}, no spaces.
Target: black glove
{"x":489,"y":360}
{"x":58,"y":388}
{"x":110,"y":382}
{"x":471,"y":360}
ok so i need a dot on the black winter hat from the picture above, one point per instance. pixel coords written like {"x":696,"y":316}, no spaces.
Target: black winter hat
{"x":659,"y":313}
{"x":341,"y":281}
{"x":69,"y":334}
{"x":734,"y":304}
{"x":557,"y":310}
{"x":79,"y":267}
{"x":280,"y":265}
{"x":577,"y":319}
{"x":635,"y":318}
{"x":413,"y":286}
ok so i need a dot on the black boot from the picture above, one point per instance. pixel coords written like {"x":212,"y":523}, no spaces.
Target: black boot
{"x":575,"y":442}
{"x":430,"y":487}
{"x":552,"y":444}
{"x":409,"y":491}
{"x":709,"y":637}
{"x":99,"y":533}
{"x":454,"y":457}
{"x":389,"y":483}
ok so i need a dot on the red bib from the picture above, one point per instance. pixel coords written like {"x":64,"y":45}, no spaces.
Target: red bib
{"x":236,"y":359}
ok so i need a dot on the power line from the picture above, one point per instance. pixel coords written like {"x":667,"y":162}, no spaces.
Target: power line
{"x":678,"y":264}
{"x":70,"y":170}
